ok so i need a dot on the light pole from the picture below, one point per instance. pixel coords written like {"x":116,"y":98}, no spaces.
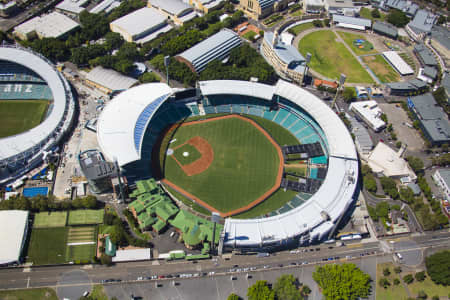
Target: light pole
{"x":215,"y":218}
{"x":341,"y":84}
{"x":307,"y":60}
{"x":166,"y":64}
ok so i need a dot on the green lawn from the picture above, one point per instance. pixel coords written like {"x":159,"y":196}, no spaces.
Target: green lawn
{"x":98,"y":293}
{"x":297,"y":170}
{"x":429,"y":287}
{"x":280,"y":134}
{"x":47,"y":246}
{"x":193,"y":154}
{"x":381,"y":68}
{"x":331,"y":58}
{"x":29,"y":294}
{"x":296,"y":13}
{"x":272,"y":20}
{"x":366,"y":14}
{"x":392,"y":292}
{"x":50,"y":219}
{"x":81,"y":253}
{"x":274,"y":202}
{"x":86,"y":216}
{"x":408,"y":59}
{"x":249,"y":35}
{"x":302,"y":27}
{"x":17,"y":116}
{"x":349,"y":39}
{"x":245,"y":164}
{"x":82,"y":234}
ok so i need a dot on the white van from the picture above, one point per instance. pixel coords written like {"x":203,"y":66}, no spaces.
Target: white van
{"x":399,"y":255}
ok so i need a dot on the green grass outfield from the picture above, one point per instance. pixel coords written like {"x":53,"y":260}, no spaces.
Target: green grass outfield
{"x":29,"y":294}
{"x":331,"y":58}
{"x":17,"y":116}
{"x":349,"y":39}
{"x":381,"y":68}
{"x":86,"y":216}
{"x":47,"y":246}
{"x":50,"y":219}
{"x":280,"y":134}
{"x":245,"y":164}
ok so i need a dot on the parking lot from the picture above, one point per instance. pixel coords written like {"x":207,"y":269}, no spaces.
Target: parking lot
{"x":219,"y":287}
{"x":399,"y":119}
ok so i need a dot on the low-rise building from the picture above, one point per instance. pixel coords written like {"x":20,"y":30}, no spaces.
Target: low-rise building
{"x":432,"y":119}
{"x":258,"y":9}
{"x":106,"y":6}
{"x":176,"y":10}
{"x":421,"y":24}
{"x":141,"y":26}
{"x":217,"y":46}
{"x":363,"y":141}
{"x":314,"y":6}
{"x":425,"y":55}
{"x":72,"y":7}
{"x":109,"y":81}
{"x":445,"y":83}
{"x":97,"y":171}
{"x":407,"y":88}
{"x":13,"y":234}
{"x":427,"y":74}
{"x":205,"y":5}
{"x":370,"y":113}
{"x":408,"y":7}
{"x":7,"y":9}
{"x":384,"y":161}
{"x":351,"y":22}
{"x":53,"y":25}
{"x":442,"y":178}
{"x":338,"y":6}
{"x":440,"y":41}
{"x":398,"y":63}
{"x":285,"y":59}
{"x":385,"y":29}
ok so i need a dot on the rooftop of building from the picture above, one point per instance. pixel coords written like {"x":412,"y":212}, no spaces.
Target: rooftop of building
{"x":172,"y":7}
{"x":12,"y":232}
{"x":441,"y":35}
{"x":352,"y":20}
{"x":423,"y":21}
{"x":110,"y":79}
{"x":445,"y":174}
{"x":370,"y":111}
{"x":386,"y":28}
{"x":94,"y":166}
{"x":287,"y":53}
{"x":384,"y":159}
{"x":140,"y":20}
{"x":53,"y":24}
{"x":425,"y":55}
{"x":73,"y":6}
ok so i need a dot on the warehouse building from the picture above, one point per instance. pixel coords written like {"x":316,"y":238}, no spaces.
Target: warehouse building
{"x":433,"y":121}
{"x":445,"y":82}
{"x":363,"y":142}
{"x":425,"y":55}
{"x":351,"y":22}
{"x":398,"y":63}
{"x":384,"y":161}
{"x":217,"y":46}
{"x":177,"y":10}
{"x":13,"y":234}
{"x":408,"y":7}
{"x":440,"y":41}
{"x":205,"y":5}
{"x":442,"y":179}
{"x":421,"y":25}
{"x":106,"y":6}
{"x":370,"y":113}
{"x":427,"y":74}
{"x":53,"y":25}
{"x":141,"y":26}
{"x":258,"y":9}
{"x":109,"y":81}
{"x":339,"y":7}
{"x":407,"y":88}
{"x":385,"y":29}
{"x":72,"y":7}
{"x":285,"y":59}
{"x":314,"y":6}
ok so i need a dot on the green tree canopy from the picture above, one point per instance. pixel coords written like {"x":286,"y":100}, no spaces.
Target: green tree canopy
{"x":397,"y":18}
{"x":344,"y":281}
{"x":260,"y":291}
{"x":233,"y":296}
{"x":438,"y":267}
{"x":415,"y":163}
{"x":349,"y":94}
{"x":285,"y":288}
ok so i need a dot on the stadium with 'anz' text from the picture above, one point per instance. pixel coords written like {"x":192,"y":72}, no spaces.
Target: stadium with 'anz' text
{"x":36,"y":110}
{"x":275,"y":161}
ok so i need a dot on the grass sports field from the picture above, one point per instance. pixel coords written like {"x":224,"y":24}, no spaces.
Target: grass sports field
{"x":300,"y":28}
{"x":280,"y":134}
{"x":47,"y":246}
{"x":86,"y":216}
{"x":17,"y":116}
{"x":245,"y":163}
{"x":333,"y":59}
{"x":29,"y":294}
{"x":349,"y":38}
{"x":50,"y":219}
{"x":381,"y":68}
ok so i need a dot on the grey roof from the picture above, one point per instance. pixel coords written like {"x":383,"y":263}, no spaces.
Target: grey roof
{"x":445,"y":174}
{"x":173,"y":7}
{"x":265,"y":3}
{"x":441,"y":35}
{"x":140,"y":21}
{"x":423,"y":21}
{"x":217,"y":46}
{"x":385,"y":28}
{"x":432,"y":117}
{"x":352,"y":20}
{"x":406,"y":6}
{"x":110,"y":79}
{"x":361,"y":134}
{"x":445,"y":82}
{"x":430,"y":72}
{"x":413,"y":84}
{"x":425,"y":55}
{"x":94,"y":166}
{"x":287,"y":53}
{"x":414,"y":187}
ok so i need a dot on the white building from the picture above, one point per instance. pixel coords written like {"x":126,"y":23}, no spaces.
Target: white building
{"x":141,"y":26}
{"x":385,"y":161}
{"x":53,"y":25}
{"x":108,"y":80}
{"x":398,"y":63}
{"x":72,"y":7}
{"x":132,"y":255}
{"x":442,"y":179}
{"x":13,"y":233}
{"x":370,"y":113}
{"x":177,"y":10}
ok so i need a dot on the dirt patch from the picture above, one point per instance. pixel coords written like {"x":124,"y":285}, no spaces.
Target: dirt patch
{"x":201,"y":164}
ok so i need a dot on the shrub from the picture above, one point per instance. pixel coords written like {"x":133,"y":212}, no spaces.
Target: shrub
{"x":408,"y":279}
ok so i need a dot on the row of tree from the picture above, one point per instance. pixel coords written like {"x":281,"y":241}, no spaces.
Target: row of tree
{"x":48,"y":203}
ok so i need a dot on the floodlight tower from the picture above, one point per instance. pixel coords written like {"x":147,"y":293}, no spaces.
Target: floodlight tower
{"x":341,"y":84}
{"x":215,"y":218}
{"x":166,"y":64}
{"x":307,"y":60}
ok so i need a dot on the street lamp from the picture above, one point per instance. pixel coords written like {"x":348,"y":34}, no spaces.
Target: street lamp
{"x":341,"y":84}
{"x":307,"y":60}
{"x":166,"y":64}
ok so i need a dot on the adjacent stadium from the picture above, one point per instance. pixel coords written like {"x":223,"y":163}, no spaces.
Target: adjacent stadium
{"x":36,"y":109}
{"x":275,"y":161}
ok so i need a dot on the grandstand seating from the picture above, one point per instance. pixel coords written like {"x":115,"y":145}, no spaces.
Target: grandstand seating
{"x":26,"y":91}
{"x":15,"y":73}
{"x":281,"y":115}
{"x":319,"y":160}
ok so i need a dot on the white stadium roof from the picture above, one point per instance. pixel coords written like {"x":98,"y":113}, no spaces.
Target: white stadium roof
{"x":13,"y":224}
{"x":116,"y":126}
{"x":398,"y":63}
{"x":14,"y":145}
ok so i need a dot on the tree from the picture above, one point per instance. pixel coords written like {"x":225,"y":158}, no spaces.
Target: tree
{"x":398,"y":144}
{"x":233,"y":296}
{"x":149,"y":77}
{"x":382,"y":209}
{"x":326,"y":22}
{"x":285,"y":288}
{"x":397,"y":270}
{"x":438,"y":267}
{"x":113,"y":40}
{"x":349,"y":94}
{"x":317,"y":23}
{"x":260,"y":291}
{"x":384,"y":282}
{"x":415,"y":163}
{"x":370,"y":183}
{"x":389,"y":187}
{"x":375,"y":13}
{"x":383,"y":117}
{"x":396,"y":281}
{"x":105,"y":259}
{"x":441,"y":20}
{"x":305,"y":290}
{"x":397,"y":18}
{"x":422,"y":295}
{"x":344,"y":281}
{"x":420,"y":276}
{"x":386,"y":272}
{"x":365,"y":169}
{"x":408,"y":279}
{"x":435,"y":297}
